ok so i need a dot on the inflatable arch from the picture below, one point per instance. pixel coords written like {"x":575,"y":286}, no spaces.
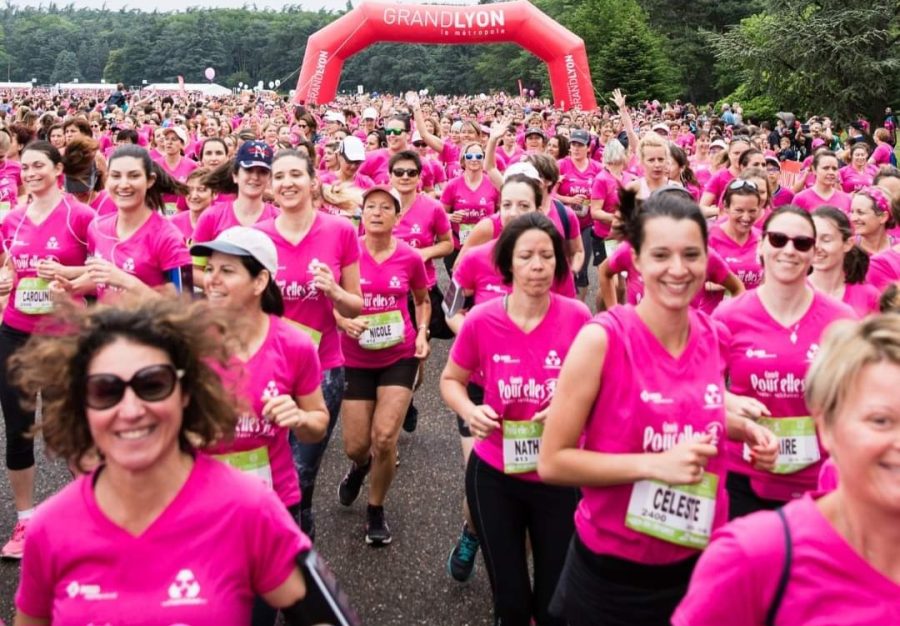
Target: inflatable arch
{"x":516,"y":22}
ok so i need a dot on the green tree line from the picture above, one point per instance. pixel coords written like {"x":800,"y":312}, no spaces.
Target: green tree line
{"x":836,"y":56}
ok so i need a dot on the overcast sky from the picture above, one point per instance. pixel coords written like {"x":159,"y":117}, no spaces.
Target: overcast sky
{"x":171,"y":5}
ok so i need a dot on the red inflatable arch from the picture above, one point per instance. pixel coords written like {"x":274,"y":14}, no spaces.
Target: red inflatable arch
{"x":515,"y":22}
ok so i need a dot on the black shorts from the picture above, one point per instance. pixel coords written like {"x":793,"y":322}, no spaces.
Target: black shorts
{"x":476,"y":395}
{"x":362,"y":383}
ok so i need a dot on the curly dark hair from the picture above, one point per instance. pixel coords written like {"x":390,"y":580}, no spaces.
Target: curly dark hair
{"x":56,"y":365}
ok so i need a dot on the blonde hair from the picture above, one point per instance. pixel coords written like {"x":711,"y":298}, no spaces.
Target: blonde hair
{"x":653,"y":140}
{"x":848,"y":347}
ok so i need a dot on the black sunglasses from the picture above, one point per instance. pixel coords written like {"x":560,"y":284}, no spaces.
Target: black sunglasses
{"x":399,"y":172}
{"x":801,"y":243}
{"x":152,"y":384}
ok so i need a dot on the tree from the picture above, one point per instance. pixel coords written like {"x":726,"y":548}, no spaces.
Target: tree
{"x":634,"y":62}
{"x":841,"y":57}
{"x":66,"y":68}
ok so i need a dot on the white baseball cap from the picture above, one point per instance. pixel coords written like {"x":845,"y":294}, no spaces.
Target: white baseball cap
{"x":335,"y":116}
{"x":522,"y":167}
{"x":179,"y":131}
{"x":660,"y":128}
{"x":370,"y":114}
{"x":352,"y":149}
{"x":242,"y":241}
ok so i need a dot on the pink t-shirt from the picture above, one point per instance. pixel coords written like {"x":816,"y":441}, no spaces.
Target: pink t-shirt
{"x":432,"y":174}
{"x":376,"y":166}
{"x":852,"y":180}
{"x":449,"y":156}
{"x":223,"y":540}
{"x":736,"y":578}
{"x":221,"y":216}
{"x":862,"y":298}
{"x":286,"y":363}
{"x":884,"y":269}
{"x":61,"y":237}
{"x":768,"y":362}
{"x":606,"y":187}
{"x":650,"y":410}
{"x":424,"y":221}
{"x":504,"y":159}
{"x":718,"y":184}
{"x":519,"y":370}
{"x":781,"y":197}
{"x":882,"y":154}
{"x":359,"y":180}
{"x":477,"y":273}
{"x":385,"y":289}
{"x":332,"y":241}
{"x":473,"y":204}
{"x":103,"y":204}
{"x":182,"y":221}
{"x":810,"y":200}
{"x":573,"y":181}
{"x":620,"y":261}
{"x":154,"y":249}
{"x":742,"y":260}
{"x":10,"y":181}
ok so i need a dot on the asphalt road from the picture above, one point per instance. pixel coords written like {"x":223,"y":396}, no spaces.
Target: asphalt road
{"x":401,"y":584}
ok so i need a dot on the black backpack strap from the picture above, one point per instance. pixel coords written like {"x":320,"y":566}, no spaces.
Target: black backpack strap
{"x":785,"y":571}
{"x":563,"y":217}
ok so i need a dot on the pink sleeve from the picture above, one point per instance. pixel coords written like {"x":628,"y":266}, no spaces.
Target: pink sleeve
{"x":274,"y":544}
{"x":717,"y":270}
{"x":441,"y":223}
{"x":448,"y":194}
{"x":308,"y":373}
{"x":35,"y":594}
{"x":598,"y":189}
{"x":449,"y":153}
{"x":464,"y":274}
{"x":731,"y":584}
{"x":574,"y":229}
{"x":880,"y":274}
{"x":465,"y":349}
{"x":205,"y":228}
{"x":171,"y":251}
{"x":620,"y":260}
{"x":418,"y":279}
{"x":349,"y":245}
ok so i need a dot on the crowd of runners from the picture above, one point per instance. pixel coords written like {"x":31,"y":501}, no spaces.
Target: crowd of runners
{"x":196,"y":290}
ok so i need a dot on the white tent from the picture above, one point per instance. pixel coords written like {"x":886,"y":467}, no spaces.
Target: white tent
{"x":86,"y":86}
{"x":207,"y":89}
{"x":6,"y":85}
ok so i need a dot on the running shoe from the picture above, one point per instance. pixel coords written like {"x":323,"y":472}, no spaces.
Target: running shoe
{"x":348,"y":490}
{"x":378,"y":533}
{"x":412,"y":418}
{"x":15,"y":547}
{"x":461,"y":563}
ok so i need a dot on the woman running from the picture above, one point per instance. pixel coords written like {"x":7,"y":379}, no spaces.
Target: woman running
{"x":857,"y":173}
{"x":872,"y":217}
{"x":736,"y":239}
{"x":715,"y":188}
{"x":173,"y":161}
{"x":826,"y":190}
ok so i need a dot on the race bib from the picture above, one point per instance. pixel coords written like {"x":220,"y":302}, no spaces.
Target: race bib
{"x":253,"y":462}
{"x":464,"y":231}
{"x":385,"y":331}
{"x":679,"y":514}
{"x":521,"y":445}
{"x":33,"y":296}
{"x":314,"y":334}
{"x":798,"y":445}
{"x":170,"y":209}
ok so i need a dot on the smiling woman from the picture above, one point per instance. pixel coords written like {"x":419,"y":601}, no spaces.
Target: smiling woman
{"x":135,"y":387}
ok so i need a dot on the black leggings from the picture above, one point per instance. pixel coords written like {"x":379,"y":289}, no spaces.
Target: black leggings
{"x":742,"y":500}
{"x":18,"y":421}
{"x":507,"y":511}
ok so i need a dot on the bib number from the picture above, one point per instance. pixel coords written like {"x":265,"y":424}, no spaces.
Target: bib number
{"x":465,"y":230}
{"x":521,"y":445}
{"x":253,"y":462}
{"x":679,"y":514}
{"x":385,"y":330}
{"x":33,"y":296}
{"x":798,"y":445}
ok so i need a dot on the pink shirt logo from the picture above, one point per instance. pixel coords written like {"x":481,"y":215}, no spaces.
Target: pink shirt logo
{"x":184,"y":590}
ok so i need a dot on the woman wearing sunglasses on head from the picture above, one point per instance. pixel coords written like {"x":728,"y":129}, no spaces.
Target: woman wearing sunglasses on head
{"x":775,"y":333}
{"x":157,"y":533}
{"x":468,"y":198}
{"x":830,"y":558}
{"x":840,"y":265}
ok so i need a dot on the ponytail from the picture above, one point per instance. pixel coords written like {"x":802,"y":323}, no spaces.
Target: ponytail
{"x":165,"y":184}
{"x":221,"y":179}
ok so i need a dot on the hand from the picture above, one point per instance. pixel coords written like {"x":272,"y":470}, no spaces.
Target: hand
{"x":354,"y":327}
{"x":60,"y":289}
{"x":49,"y":269}
{"x":745,"y":407}
{"x":498,"y":129}
{"x":6,"y":283}
{"x":482,"y":421}
{"x":685,"y":463}
{"x":323,"y":280}
{"x":412,"y":99}
{"x":423,"y":349}
{"x":283,"y":411}
{"x":102,"y":272}
{"x":763,"y":446}
{"x":541,"y":416}
{"x":456,"y":217}
{"x":619,"y":98}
